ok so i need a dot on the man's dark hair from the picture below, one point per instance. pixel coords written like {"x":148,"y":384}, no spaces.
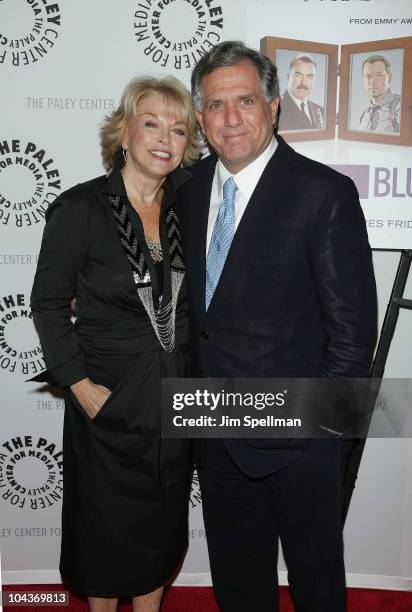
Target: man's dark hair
{"x":378,"y":58}
{"x":302,"y":58}
{"x":232,"y":53}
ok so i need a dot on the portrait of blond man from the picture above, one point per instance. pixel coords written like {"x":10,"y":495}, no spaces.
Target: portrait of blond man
{"x":384,"y":109}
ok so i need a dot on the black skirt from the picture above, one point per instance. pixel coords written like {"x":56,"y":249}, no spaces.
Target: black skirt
{"x":125,"y":498}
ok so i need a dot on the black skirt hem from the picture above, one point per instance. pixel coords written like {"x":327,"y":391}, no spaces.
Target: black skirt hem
{"x":80,"y":587}
{"x":83,"y":590}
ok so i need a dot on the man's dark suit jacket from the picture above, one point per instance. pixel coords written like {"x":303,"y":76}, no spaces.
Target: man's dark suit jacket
{"x":297,"y":295}
{"x":292,"y":118}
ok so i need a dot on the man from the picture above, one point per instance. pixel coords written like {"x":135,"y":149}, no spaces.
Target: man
{"x":280,"y":282}
{"x":383,"y":112}
{"x":297,"y":112}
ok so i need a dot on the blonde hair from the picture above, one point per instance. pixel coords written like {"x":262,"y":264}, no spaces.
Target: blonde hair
{"x":174,"y":94}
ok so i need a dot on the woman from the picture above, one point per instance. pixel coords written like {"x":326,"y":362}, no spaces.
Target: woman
{"x":113,"y":244}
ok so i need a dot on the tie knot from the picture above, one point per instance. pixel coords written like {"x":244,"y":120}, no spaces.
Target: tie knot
{"x":302,"y":106}
{"x":229,"y":188}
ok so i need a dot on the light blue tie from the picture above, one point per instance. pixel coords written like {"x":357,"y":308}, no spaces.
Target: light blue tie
{"x":221,"y":240}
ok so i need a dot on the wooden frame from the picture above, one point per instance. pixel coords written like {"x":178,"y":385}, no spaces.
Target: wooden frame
{"x":404,"y":137}
{"x":271,"y":45}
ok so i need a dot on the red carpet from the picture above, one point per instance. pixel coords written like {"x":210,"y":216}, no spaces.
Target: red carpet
{"x":200,"y":599}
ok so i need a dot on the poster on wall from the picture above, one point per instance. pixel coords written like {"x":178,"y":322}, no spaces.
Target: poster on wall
{"x":307,"y":73}
{"x":375,"y":89}
{"x":346,"y":97}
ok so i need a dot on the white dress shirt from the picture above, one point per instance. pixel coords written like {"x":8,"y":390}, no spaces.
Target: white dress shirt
{"x":246,"y":181}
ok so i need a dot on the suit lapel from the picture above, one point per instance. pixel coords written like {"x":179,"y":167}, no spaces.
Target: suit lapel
{"x":313,"y":117}
{"x":297,"y":117}
{"x":271,"y":190}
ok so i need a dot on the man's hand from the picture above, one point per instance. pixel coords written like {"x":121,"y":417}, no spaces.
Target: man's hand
{"x":90,"y":396}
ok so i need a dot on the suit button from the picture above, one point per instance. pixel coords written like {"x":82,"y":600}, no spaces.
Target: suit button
{"x":200,"y":374}
{"x":204,"y":335}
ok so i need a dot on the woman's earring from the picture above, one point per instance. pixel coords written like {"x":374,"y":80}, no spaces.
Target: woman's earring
{"x":125,"y":154}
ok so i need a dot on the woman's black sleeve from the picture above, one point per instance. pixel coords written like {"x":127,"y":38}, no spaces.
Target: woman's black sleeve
{"x":62,"y":253}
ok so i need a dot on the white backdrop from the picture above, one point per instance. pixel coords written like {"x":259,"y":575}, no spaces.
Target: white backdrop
{"x":63,"y":65}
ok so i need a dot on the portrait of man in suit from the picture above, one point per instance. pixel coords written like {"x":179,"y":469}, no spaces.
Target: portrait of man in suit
{"x":297,"y":111}
{"x":384,"y":109}
{"x":280,"y":284}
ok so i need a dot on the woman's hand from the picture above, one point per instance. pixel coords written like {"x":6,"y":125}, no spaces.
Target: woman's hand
{"x":90,"y":396}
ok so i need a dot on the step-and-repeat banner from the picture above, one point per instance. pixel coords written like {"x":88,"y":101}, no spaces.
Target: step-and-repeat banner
{"x":63,"y":65}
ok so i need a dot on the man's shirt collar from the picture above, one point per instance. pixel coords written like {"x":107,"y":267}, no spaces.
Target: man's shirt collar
{"x":247,"y":179}
{"x":297,"y":101}
{"x":385,"y":100}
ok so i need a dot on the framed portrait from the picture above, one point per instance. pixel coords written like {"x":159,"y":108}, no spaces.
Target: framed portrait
{"x":376,"y":91}
{"x":307,"y":73}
